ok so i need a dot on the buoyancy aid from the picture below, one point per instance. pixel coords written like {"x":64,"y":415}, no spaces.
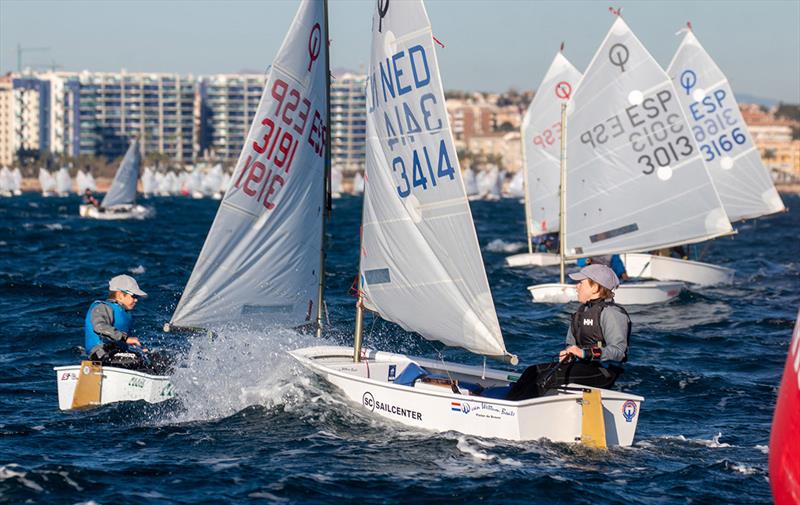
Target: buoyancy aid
{"x":123,"y":321}
{"x":586,"y":327}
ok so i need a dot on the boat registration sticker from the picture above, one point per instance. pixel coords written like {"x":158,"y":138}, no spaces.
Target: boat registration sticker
{"x":629,"y":410}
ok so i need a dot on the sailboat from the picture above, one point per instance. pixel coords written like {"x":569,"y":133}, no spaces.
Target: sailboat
{"x":784,"y":465}
{"x":120,"y":201}
{"x":743,"y":182}
{"x":47,"y":182}
{"x":6,"y":182}
{"x":262,"y":260}
{"x":636,"y":180}
{"x":63,"y":182}
{"x":541,"y":129}
{"x":421,"y":268}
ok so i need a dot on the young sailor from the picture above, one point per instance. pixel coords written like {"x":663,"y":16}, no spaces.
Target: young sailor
{"x":88,"y":198}
{"x":108,"y":326}
{"x":597,"y":340}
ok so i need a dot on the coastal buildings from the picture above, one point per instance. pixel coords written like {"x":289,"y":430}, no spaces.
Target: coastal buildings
{"x":225,"y":106}
{"x":349,"y":122}
{"x":185,"y":119}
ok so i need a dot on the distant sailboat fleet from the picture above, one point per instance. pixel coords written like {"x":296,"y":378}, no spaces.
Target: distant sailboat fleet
{"x":622,"y":159}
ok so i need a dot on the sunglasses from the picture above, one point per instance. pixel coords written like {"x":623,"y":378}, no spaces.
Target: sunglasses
{"x":135,"y":297}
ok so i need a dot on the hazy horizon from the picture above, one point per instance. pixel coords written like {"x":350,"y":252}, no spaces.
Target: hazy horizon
{"x":489,"y":46}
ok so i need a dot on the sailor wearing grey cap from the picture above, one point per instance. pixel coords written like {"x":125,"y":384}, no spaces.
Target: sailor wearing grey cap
{"x":108,"y":325}
{"x":597,"y":340}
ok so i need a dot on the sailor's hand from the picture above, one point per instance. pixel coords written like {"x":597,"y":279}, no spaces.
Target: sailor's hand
{"x":573,"y":349}
{"x":133,"y":341}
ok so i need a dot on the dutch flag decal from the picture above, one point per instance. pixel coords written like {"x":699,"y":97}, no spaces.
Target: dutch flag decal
{"x":455,"y":406}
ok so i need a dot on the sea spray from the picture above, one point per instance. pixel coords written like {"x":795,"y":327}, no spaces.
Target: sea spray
{"x":222,"y":374}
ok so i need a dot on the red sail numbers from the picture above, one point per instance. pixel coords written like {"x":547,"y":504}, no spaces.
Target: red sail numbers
{"x":269,"y":162}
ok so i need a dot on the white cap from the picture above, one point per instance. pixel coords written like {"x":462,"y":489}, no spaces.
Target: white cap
{"x":125,"y":283}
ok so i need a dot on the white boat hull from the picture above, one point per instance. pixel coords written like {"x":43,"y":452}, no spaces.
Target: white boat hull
{"x":663,"y":268}
{"x":117,"y":385}
{"x":116,"y":212}
{"x":533,"y":260}
{"x":638,"y":293}
{"x":437,"y":408}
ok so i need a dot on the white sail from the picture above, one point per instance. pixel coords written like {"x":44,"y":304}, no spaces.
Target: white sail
{"x":470,"y":183}
{"x":358,"y":184}
{"x":260,"y":261}
{"x":421,"y":266}
{"x":149,"y":182}
{"x":541,"y":145}
{"x":516,"y":187}
{"x":743,"y":182}
{"x":635,"y":178}
{"x":16,"y":178}
{"x":46,"y":181}
{"x":336,"y":180}
{"x":63,"y":181}
{"x":6,"y":181}
{"x":123,"y":187}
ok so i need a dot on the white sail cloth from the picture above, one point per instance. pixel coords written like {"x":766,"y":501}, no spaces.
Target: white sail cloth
{"x":420,"y":262}
{"x":63,"y":181}
{"x":743,"y":182}
{"x":260,"y":262}
{"x":635,"y":178}
{"x":46,"y":181}
{"x":541,"y":146}
{"x":123,"y":187}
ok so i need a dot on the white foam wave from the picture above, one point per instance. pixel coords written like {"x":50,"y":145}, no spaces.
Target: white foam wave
{"x":713,"y":443}
{"x":137,"y":270}
{"x":464,"y":446}
{"x":224,"y":374}
{"x":501,"y":246}
{"x":8,"y":472}
{"x":763,"y":448}
{"x":54,"y":226}
{"x":476,"y":453}
{"x":744,"y":469}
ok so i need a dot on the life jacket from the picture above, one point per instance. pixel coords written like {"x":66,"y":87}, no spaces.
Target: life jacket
{"x":586,"y":327}
{"x":123,"y":321}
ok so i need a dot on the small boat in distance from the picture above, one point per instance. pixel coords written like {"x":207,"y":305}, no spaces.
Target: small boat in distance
{"x":120,"y":201}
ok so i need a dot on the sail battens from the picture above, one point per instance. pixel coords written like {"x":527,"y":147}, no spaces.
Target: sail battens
{"x":260,"y":264}
{"x":418,"y":232}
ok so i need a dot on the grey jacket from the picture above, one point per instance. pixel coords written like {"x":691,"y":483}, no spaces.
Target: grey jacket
{"x":102,"y":318}
{"x":615,"y":332}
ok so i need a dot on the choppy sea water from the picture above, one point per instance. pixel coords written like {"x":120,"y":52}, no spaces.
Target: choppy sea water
{"x":249,"y":425}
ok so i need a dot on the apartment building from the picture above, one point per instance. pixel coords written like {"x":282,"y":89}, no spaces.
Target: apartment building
{"x":226,"y":106}
{"x":7,"y":151}
{"x":349,"y":122}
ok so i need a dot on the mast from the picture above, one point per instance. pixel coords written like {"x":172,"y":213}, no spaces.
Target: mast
{"x":326,"y":190}
{"x":527,"y":200}
{"x":562,"y":232}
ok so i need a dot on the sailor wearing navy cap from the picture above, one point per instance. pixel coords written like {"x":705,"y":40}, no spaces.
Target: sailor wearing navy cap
{"x":597,"y":340}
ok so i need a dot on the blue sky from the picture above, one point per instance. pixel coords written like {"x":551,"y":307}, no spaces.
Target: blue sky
{"x":490,"y":45}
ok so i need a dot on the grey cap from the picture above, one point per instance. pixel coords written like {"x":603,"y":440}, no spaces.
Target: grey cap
{"x":125,"y":283}
{"x":600,"y":274}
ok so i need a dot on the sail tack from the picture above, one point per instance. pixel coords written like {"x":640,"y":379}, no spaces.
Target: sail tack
{"x":635,"y":179}
{"x":260,"y":262}
{"x":744,"y":183}
{"x":541,"y":145}
{"x":420,"y":261}
{"x":123,"y":187}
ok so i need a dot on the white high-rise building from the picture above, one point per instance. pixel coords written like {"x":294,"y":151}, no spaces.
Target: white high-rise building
{"x":349,"y":122}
